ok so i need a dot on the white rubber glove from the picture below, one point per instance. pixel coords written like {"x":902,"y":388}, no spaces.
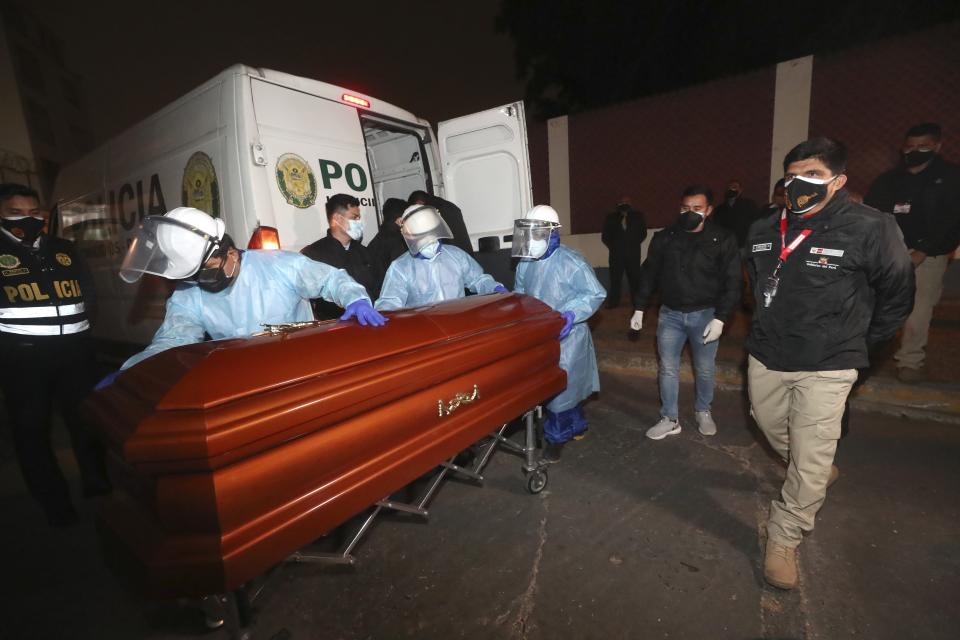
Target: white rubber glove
{"x":636,"y":322}
{"x":712,"y":331}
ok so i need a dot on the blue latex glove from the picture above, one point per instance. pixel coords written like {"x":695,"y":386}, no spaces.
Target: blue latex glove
{"x":500,"y":289}
{"x":568,"y":317}
{"x":107,"y":381}
{"x":364,"y":312}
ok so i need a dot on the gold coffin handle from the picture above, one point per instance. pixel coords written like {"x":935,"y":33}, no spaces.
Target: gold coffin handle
{"x":454,"y":403}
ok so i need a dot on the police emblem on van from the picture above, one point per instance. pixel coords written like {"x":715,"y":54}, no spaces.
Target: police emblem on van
{"x":8,"y":261}
{"x":64,"y":259}
{"x":296,"y":181}
{"x":199,"y":188}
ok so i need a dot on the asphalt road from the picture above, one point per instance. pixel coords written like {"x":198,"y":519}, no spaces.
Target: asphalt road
{"x":631,"y":539}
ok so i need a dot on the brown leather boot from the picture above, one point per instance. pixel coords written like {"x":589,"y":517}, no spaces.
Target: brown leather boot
{"x":780,"y":566}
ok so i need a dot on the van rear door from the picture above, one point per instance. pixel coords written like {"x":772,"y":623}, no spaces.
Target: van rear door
{"x":486,"y":169}
{"x":313,"y":148}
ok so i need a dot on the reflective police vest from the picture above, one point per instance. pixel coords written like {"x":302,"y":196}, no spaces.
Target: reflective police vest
{"x":41,"y":288}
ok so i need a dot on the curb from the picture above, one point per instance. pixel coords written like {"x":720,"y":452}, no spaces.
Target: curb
{"x":940,"y":403}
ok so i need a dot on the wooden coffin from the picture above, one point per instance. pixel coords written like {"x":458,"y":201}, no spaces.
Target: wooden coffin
{"x":230,"y":455}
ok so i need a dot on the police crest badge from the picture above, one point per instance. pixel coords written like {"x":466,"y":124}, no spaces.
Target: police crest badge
{"x":8,"y":261}
{"x":64,"y":259}
{"x":200,"y":188}
{"x":296,"y":181}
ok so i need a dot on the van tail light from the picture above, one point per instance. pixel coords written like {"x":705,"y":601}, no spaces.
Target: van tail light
{"x":355,"y":101}
{"x":264,"y":238}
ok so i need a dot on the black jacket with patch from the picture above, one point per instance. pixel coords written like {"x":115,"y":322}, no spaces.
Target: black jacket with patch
{"x":357,"y":261}
{"x":932,"y":223}
{"x":692,"y":271}
{"x":850,"y":284}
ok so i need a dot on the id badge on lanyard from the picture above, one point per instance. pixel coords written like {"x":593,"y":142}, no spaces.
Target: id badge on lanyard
{"x":773,"y":282}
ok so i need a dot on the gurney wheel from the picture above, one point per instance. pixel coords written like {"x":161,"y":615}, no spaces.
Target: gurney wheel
{"x":536,"y":481}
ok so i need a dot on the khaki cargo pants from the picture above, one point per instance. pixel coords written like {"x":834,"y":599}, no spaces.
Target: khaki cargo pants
{"x":799,"y":413}
{"x":916,"y":329}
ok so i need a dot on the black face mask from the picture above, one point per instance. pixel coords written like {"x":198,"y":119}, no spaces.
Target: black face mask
{"x":731,"y":194}
{"x":26,"y":229}
{"x":216,"y":279}
{"x":802,"y":196}
{"x":690,"y":220}
{"x":917,"y":157}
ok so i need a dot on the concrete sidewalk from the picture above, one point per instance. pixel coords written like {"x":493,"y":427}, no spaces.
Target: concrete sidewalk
{"x":622,"y":350}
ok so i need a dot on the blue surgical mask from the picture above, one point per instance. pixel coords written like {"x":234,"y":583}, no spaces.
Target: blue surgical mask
{"x":355,"y":229}
{"x":430,"y":251}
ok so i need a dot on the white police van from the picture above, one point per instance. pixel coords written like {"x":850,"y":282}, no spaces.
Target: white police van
{"x":263,"y":150}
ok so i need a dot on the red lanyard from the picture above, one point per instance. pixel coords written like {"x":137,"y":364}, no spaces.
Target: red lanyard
{"x":786,"y":249}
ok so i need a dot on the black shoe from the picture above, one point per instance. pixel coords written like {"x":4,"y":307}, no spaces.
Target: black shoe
{"x":552,"y":452}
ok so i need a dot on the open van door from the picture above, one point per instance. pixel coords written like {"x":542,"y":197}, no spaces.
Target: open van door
{"x":485,"y":168}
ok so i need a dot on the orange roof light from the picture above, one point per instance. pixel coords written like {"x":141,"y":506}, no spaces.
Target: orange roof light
{"x":264,"y":238}
{"x":354,"y":100}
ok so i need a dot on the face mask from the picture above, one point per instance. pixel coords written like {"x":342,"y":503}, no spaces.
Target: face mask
{"x":430,"y":251}
{"x":917,"y":157}
{"x":220,"y":279}
{"x":26,"y":229}
{"x":690,"y":219}
{"x":803,"y":194}
{"x":537,"y":248}
{"x":355,"y":229}
{"x":731,"y":194}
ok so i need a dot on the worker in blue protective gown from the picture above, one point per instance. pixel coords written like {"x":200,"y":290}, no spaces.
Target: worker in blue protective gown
{"x":430,"y":272}
{"x":562,"y":278}
{"x":228,"y":293}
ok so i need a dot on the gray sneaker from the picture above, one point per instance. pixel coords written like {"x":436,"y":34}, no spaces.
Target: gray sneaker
{"x":705,"y":423}
{"x":666,"y":427}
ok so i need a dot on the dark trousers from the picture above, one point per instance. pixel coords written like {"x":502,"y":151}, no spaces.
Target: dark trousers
{"x":618,"y":266}
{"x":39,"y":374}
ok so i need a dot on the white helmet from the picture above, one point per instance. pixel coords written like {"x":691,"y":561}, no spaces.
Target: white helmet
{"x":172,"y":246}
{"x":422,"y":225}
{"x":531,"y":233}
{"x":544,"y":213}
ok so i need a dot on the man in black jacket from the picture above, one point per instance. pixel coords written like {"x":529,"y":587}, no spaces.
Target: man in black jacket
{"x":388,"y":244}
{"x":341,"y":248}
{"x":736,"y":213}
{"x":624,"y":231}
{"x":923,"y":193}
{"x":831,"y":277}
{"x":696,"y":266}
{"x":46,"y":351}
{"x":451,"y":214}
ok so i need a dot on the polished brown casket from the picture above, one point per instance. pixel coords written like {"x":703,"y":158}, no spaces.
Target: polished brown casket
{"x":230,"y":455}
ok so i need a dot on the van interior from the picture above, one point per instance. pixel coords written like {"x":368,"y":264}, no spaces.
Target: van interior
{"x":398,"y":158}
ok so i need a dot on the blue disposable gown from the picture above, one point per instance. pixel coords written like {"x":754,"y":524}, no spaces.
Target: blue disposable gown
{"x":413,"y":282}
{"x":273,"y":287}
{"x":566,"y":282}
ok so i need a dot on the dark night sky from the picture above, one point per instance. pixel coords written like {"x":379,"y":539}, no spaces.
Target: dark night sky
{"x":436,"y":59}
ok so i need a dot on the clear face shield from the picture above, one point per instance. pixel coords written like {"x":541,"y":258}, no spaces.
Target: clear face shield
{"x":168,"y":248}
{"x":531,"y":238}
{"x":423,"y":226}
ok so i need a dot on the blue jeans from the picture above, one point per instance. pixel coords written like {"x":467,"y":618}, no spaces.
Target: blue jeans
{"x":674,"y":328}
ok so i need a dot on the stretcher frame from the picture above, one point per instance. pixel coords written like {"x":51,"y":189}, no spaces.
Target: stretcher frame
{"x":235,"y":608}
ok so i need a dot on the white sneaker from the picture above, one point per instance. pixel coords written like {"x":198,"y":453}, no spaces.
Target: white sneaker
{"x":705,"y":423}
{"x":666,"y":427}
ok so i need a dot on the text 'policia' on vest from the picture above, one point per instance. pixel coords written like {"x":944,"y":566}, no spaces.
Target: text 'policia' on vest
{"x":43,"y":288}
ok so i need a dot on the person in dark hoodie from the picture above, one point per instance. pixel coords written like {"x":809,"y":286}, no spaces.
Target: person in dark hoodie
{"x":388,"y":244}
{"x":624,"y":231}
{"x":450,"y":213}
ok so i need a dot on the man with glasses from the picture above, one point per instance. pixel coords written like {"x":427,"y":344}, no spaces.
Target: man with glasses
{"x":831,"y":278}
{"x":923,"y":194}
{"x":695,"y":264}
{"x":225,"y":292}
